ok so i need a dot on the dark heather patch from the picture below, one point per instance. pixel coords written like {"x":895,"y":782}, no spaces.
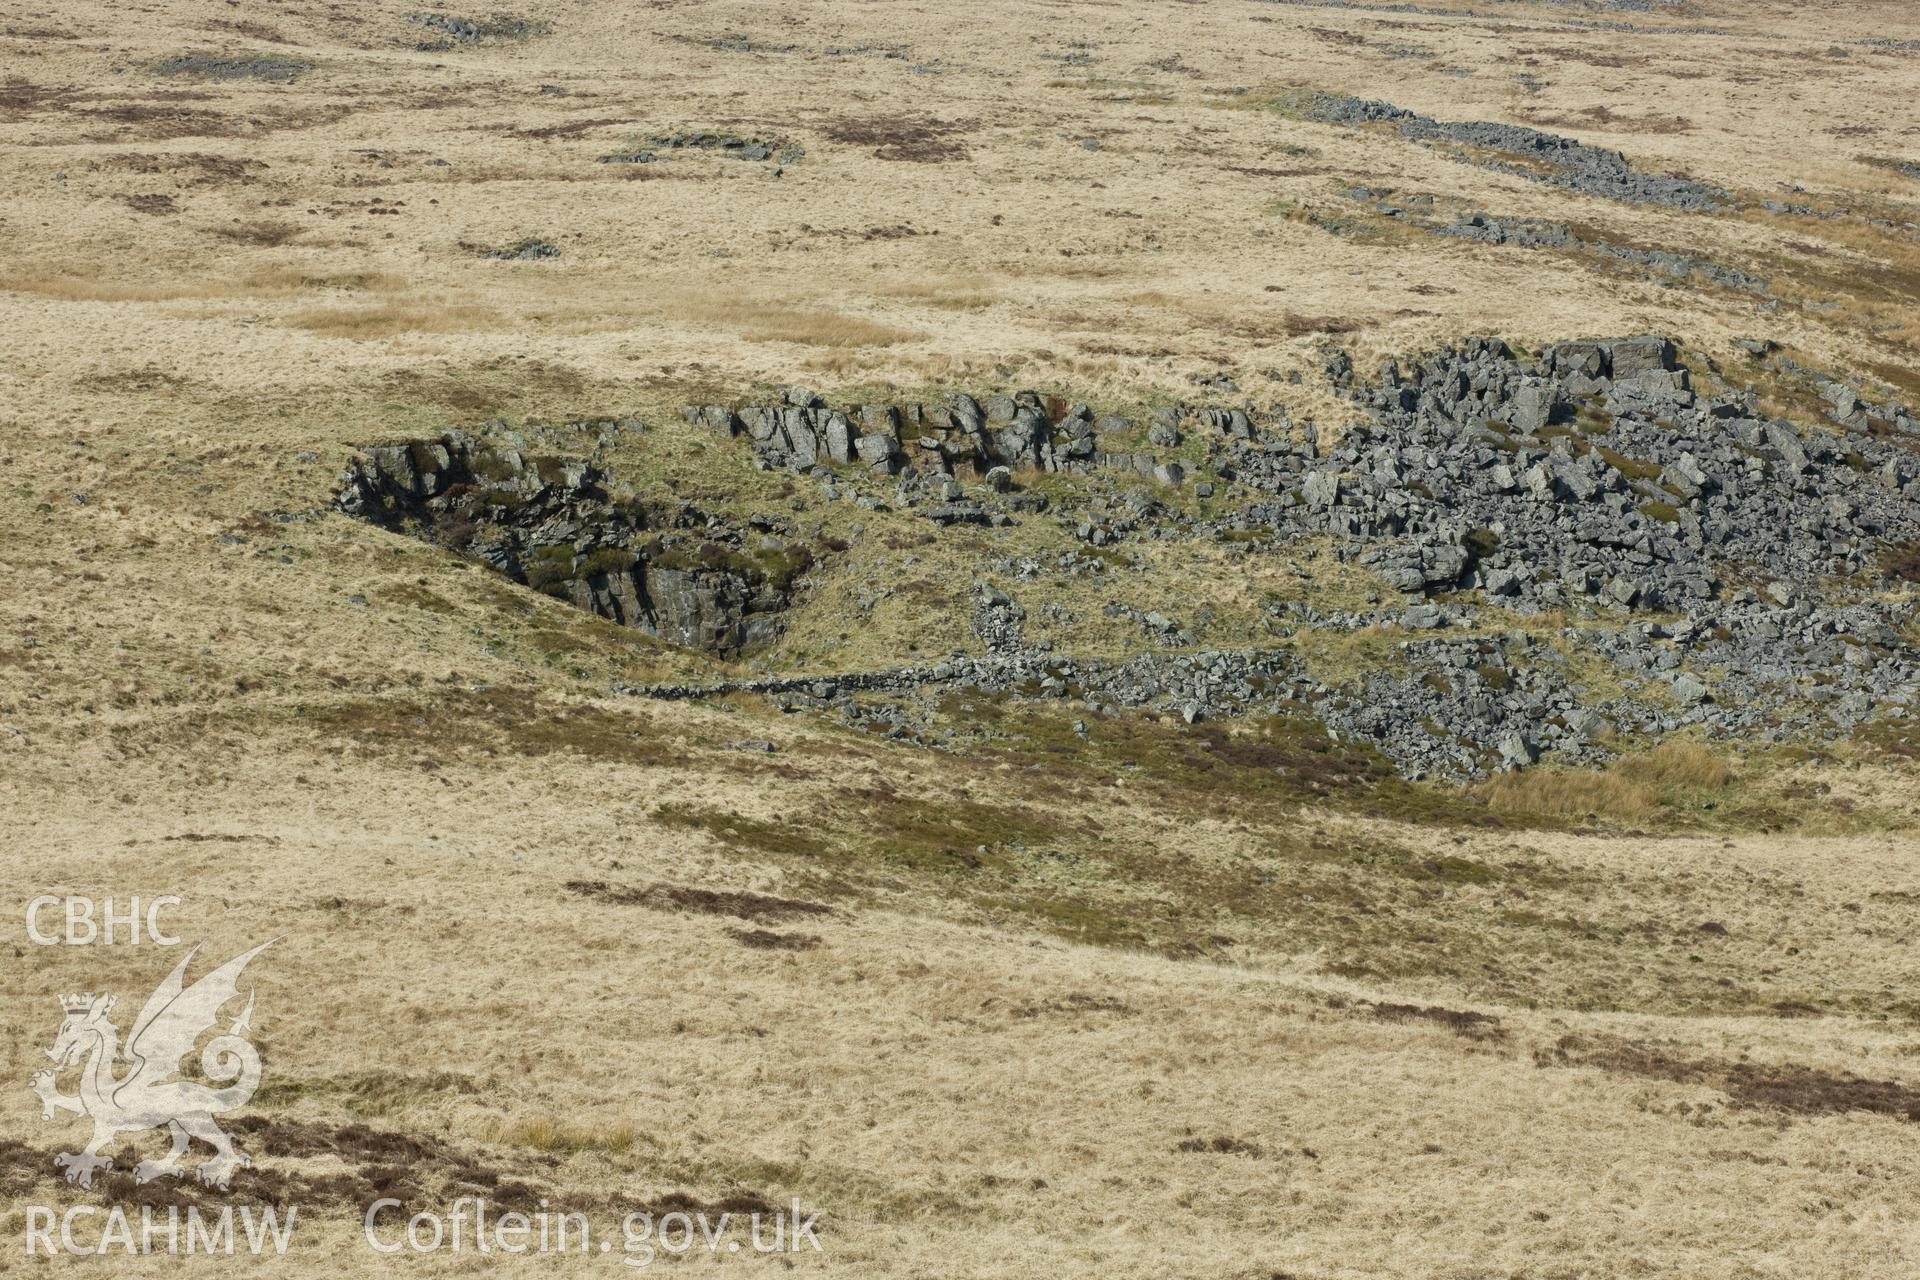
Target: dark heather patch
{"x":150,"y":203}
{"x":1073,"y":1002}
{"x":415,"y":1171}
{"x":575,"y":126}
{"x":767,"y":940}
{"x":894,"y":138}
{"x":1462,"y":1022}
{"x":746,"y":1203}
{"x":420,"y":1170}
{"x":759,"y":908}
{"x":1222,"y":1145}
{"x":200,"y":66}
{"x":1902,"y":563}
{"x":1787,"y":1087}
{"x":1796,"y":1009}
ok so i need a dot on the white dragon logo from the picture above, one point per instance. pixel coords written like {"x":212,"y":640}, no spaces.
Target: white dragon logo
{"x":152,"y":1094}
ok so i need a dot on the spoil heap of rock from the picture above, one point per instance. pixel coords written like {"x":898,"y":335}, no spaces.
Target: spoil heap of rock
{"x":1593,"y":472}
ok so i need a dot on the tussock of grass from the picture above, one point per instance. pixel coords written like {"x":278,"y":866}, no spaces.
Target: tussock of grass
{"x":368,"y":1093}
{"x":390,"y":319}
{"x":295,"y":279}
{"x":269,"y":233}
{"x":1685,"y":765}
{"x":1552,"y":794}
{"x":1632,"y":789}
{"x":69,"y":288}
{"x":948,"y":293}
{"x":774,"y":322}
{"x":494,"y":719}
{"x":265,"y":283}
{"x":841,"y":362}
{"x":544,"y":1131}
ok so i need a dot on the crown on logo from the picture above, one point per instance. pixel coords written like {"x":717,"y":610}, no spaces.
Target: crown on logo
{"x":77,"y":1003}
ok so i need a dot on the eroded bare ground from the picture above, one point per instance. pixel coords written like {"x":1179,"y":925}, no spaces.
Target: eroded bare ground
{"x":998,"y":981}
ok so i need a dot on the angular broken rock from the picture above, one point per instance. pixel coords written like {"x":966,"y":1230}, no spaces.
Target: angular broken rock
{"x":1517,"y":751}
{"x":1322,"y":489}
{"x":1585,"y":724}
{"x":1631,"y":357}
{"x":876,"y":450}
{"x":1532,"y":407}
{"x":1689,"y":689}
{"x":1501,"y":582}
{"x":839,"y":433}
{"x":1624,"y":590}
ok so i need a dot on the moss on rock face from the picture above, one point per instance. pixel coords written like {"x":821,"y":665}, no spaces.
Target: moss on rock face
{"x":506,"y":500}
{"x":427,"y":456}
{"x":549,"y":567}
{"x":688,"y":559}
{"x":499,"y":468}
{"x":552,"y":470}
{"x":775,"y":566}
{"x":606,"y":560}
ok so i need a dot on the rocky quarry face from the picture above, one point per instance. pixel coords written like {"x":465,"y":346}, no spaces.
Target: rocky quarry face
{"x":665,"y":568}
{"x":930,"y":445}
{"x":1730,"y":569}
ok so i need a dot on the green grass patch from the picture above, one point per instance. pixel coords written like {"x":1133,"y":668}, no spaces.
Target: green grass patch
{"x":799,"y":838}
{"x":491,"y":721}
{"x":1632,"y":468}
{"x":364,"y":1093}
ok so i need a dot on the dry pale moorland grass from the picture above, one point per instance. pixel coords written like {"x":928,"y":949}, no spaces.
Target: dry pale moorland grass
{"x":1156,"y":1000}
{"x":1631,"y":790}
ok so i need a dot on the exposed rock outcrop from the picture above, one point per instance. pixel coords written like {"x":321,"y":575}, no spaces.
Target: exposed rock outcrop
{"x":664,"y":568}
